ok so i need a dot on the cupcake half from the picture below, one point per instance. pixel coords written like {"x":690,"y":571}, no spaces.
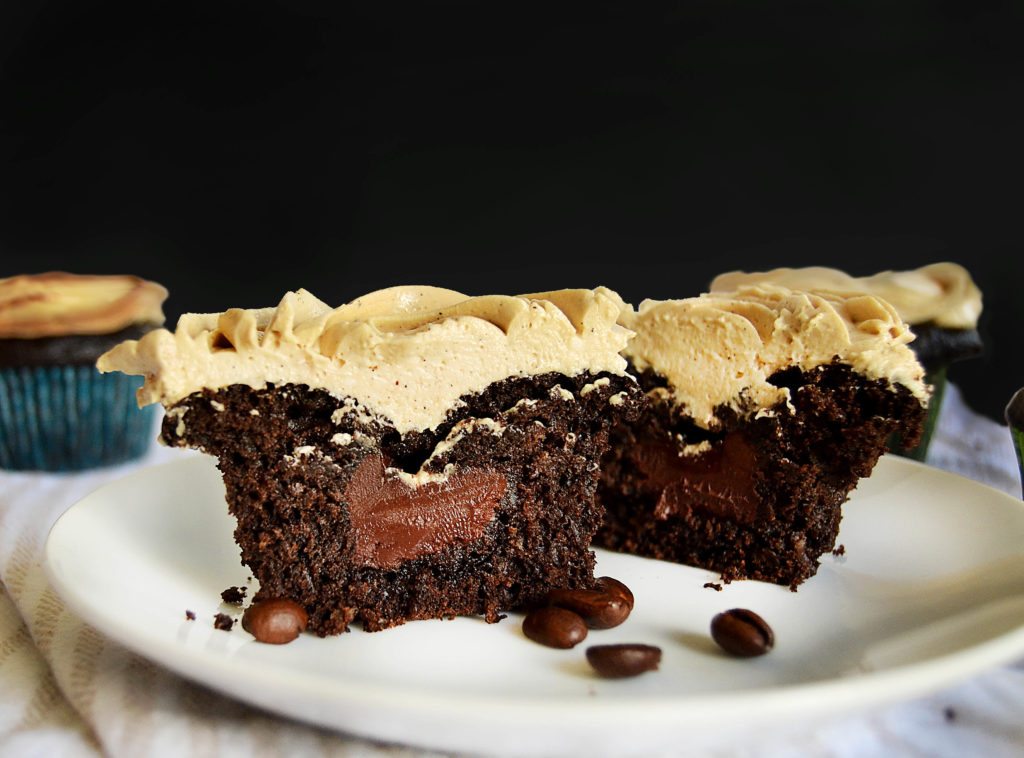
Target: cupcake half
{"x":414,"y":454}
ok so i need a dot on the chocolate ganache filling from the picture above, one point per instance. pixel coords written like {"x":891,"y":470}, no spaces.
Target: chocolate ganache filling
{"x":720,"y":481}
{"x":393,"y":522}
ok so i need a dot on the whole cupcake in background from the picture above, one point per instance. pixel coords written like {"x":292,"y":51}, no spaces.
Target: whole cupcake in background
{"x":940,"y":302}
{"x":57,"y":412}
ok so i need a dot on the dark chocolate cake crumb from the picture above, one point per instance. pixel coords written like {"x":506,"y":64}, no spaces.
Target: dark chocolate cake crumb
{"x":190,"y":615}
{"x":777,"y":481}
{"x":713,"y":586}
{"x":296,"y":518}
{"x":223,"y":622}
{"x":234,"y":595}
{"x":839,"y":551}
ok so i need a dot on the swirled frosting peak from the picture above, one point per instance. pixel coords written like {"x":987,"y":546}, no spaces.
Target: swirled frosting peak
{"x":943,"y":294}
{"x":56,"y":304}
{"x":721,"y":349}
{"x":406,"y":353}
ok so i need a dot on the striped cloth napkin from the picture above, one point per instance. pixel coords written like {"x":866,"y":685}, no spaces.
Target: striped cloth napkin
{"x":65,"y":690}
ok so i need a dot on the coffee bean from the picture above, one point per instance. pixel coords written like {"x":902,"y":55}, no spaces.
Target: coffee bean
{"x":275,"y":621}
{"x":620,"y":661}
{"x":742,"y":633}
{"x":599,"y":609}
{"x":554,"y":627}
{"x":615,"y":587}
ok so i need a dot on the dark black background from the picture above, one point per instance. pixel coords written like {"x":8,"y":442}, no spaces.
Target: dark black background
{"x":234,"y":150}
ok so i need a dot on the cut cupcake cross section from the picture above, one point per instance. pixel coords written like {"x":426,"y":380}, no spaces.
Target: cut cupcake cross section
{"x":765,"y":407}
{"x":413,"y":454}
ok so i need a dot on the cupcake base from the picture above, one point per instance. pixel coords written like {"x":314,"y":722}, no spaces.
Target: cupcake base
{"x":70,"y":418}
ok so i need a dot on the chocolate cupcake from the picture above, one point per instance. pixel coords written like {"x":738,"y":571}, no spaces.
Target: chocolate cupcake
{"x":414,"y":454}
{"x":766,"y":406}
{"x":940,"y":302}
{"x":57,"y":413}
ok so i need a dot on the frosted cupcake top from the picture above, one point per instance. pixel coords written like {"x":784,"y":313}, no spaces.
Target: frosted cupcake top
{"x":942,"y":293}
{"x":60,"y":304}
{"x":720,"y":349}
{"x":406,"y":354}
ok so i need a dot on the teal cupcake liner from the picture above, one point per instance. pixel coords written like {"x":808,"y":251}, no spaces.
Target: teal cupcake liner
{"x":937,"y":380}
{"x":69,"y":418}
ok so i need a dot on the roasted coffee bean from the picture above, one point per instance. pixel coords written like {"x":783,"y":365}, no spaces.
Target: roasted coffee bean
{"x":599,"y":609}
{"x":615,"y":587}
{"x":555,"y":627}
{"x":620,"y":661}
{"x":275,"y":621}
{"x":742,"y":633}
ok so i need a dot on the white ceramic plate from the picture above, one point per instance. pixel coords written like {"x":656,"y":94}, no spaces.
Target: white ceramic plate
{"x":929,"y":592}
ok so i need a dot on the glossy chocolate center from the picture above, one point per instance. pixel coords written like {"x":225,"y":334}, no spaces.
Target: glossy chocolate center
{"x":720,"y":481}
{"x":394,"y":523}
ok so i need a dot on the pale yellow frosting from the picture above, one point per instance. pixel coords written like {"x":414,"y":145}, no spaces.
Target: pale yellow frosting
{"x":407,"y":354}
{"x":56,"y":304}
{"x":942,"y":293}
{"x":720,"y":349}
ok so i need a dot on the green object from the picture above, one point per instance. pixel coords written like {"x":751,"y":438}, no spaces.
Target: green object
{"x":937,"y":379}
{"x":1015,"y":420}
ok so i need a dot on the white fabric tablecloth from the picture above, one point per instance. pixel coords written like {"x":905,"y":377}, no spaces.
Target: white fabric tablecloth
{"x":65,"y":690}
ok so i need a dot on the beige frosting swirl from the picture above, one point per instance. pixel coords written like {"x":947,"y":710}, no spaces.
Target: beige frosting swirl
{"x":720,"y":349}
{"x":406,"y":353}
{"x":58,"y":304}
{"x":942,"y":293}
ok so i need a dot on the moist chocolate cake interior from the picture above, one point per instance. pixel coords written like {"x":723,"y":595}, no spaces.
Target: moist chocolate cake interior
{"x":759,"y":497}
{"x":493,"y":508}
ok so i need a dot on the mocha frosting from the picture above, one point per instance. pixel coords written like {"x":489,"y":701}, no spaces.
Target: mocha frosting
{"x":942,"y":293}
{"x":407,"y":354}
{"x":57,"y":304}
{"x":721,"y":349}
